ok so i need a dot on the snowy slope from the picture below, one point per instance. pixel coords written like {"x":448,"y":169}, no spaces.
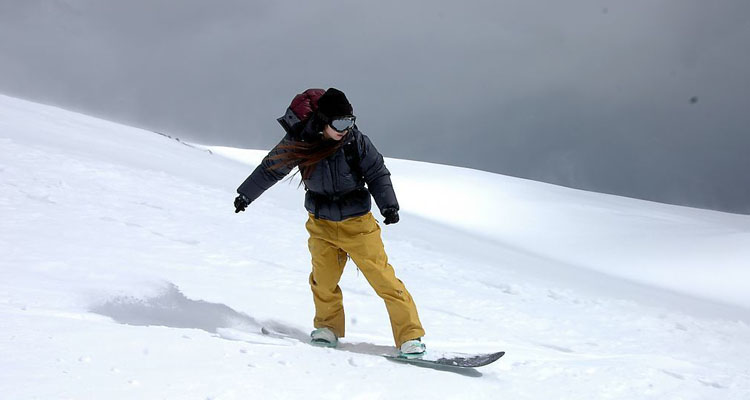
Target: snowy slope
{"x":697,"y":252}
{"x":125,"y":273}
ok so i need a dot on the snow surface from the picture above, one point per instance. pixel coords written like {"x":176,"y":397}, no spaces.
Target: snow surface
{"x":125,"y":273}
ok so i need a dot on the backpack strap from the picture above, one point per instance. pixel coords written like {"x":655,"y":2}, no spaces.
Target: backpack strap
{"x":351,"y":153}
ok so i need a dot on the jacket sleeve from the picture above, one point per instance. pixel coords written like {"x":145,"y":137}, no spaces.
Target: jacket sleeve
{"x":265,"y":175}
{"x":377,"y":176}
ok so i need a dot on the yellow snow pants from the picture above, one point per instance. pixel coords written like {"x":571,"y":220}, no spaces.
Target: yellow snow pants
{"x":359,"y":237}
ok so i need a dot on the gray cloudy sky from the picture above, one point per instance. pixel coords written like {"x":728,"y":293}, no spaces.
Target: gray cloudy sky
{"x":643,"y":98}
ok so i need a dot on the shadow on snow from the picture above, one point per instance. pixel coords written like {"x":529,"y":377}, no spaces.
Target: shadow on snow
{"x":172,"y":309}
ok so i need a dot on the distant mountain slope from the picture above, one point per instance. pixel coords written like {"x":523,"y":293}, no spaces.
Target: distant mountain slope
{"x":699,"y":252}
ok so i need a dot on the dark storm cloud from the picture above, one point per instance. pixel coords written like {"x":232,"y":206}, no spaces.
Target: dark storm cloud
{"x":645,"y":99}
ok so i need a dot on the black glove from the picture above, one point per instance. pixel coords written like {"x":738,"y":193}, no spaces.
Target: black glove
{"x":391,"y":215}
{"x":240,"y":203}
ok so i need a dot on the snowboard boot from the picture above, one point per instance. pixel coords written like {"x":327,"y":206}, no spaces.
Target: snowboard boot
{"x":324,"y":337}
{"x":412,"y":348}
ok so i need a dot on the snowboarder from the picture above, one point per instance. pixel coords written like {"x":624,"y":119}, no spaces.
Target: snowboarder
{"x":336,"y":161}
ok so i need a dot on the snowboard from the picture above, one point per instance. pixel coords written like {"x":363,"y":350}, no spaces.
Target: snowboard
{"x":451,"y":360}
{"x":456,"y":362}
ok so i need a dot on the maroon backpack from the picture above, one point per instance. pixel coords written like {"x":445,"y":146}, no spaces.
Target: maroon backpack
{"x":302,"y":108}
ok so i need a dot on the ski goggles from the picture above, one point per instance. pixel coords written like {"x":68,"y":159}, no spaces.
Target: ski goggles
{"x":342,"y":124}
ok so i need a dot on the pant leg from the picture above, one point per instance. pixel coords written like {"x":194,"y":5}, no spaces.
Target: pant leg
{"x":328,"y":263}
{"x":360,"y":237}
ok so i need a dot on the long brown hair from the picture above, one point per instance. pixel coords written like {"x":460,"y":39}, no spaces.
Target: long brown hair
{"x":305,"y":155}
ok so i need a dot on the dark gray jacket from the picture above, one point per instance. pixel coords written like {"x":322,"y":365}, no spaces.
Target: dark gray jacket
{"x":334,"y":191}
